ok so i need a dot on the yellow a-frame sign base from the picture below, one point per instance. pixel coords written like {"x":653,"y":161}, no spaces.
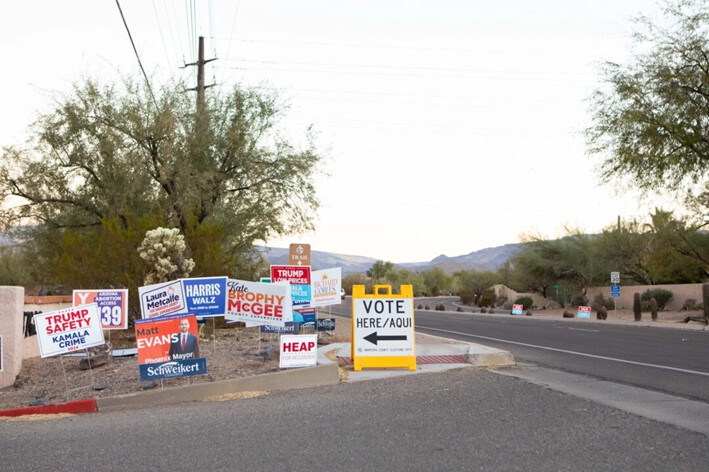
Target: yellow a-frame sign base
{"x":384,"y":361}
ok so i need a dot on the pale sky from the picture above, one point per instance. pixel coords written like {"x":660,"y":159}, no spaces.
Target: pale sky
{"x":450,"y":126}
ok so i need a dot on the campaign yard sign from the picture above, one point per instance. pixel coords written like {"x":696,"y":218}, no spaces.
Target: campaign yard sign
{"x":517,"y":309}
{"x":205,"y":296}
{"x":257,"y":303}
{"x":325,"y":324}
{"x":168,"y":347}
{"x":326,"y":286}
{"x":162,"y":299}
{"x":67,"y":330}
{"x":584,"y":312}
{"x":298,"y":350}
{"x":299,"y":279}
{"x":112,"y":305}
{"x":290,"y":327}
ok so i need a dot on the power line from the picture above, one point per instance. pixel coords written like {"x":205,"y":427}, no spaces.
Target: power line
{"x":147,"y":81}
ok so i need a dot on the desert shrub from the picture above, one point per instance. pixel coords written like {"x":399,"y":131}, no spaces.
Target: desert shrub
{"x":419,"y":307}
{"x":653,"y":309}
{"x":601,"y":313}
{"x":483,"y":310}
{"x":459,"y":309}
{"x":599,"y":300}
{"x":689,"y":304}
{"x":568,"y":314}
{"x":440,"y":307}
{"x":637,"y":307}
{"x":660,"y":295}
{"x":507,"y":306}
{"x":501,"y":300}
{"x":528,"y":313}
{"x":526,"y":302}
{"x":487,"y":298}
{"x":492,"y":310}
{"x":579,"y":300}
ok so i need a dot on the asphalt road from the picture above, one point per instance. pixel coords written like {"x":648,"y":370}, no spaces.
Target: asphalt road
{"x":671,"y":360}
{"x":464,"y":419}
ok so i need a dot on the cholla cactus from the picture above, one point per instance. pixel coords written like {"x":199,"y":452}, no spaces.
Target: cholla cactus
{"x":163,"y":251}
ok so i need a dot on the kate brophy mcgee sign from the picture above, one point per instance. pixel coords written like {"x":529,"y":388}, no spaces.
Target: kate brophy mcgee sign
{"x":67,"y":330}
{"x":169,"y":347}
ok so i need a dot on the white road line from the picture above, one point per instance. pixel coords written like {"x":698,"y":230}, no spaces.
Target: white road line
{"x":613,"y":359}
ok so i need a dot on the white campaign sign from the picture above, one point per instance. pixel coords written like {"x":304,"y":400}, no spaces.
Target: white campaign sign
{"x":298,"y":350}
{"x":67,"y":330}
{"x":326,"y":285}
{"x":383,"y":326}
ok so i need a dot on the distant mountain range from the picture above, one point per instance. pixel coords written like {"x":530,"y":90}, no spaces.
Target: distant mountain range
{"x":490,"y":258}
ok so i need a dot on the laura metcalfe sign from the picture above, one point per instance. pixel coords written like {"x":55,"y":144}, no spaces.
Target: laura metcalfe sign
{"x":71,"y":329}
{"x":162,"y":299}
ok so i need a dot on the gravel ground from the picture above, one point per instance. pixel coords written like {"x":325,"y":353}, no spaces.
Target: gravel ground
{"x":234,"y":353}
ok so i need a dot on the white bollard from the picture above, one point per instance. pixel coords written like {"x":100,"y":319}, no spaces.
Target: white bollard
{"x":12,"y":302}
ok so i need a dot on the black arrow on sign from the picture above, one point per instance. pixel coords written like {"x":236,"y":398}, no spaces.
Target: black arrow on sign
{"x":373,"y":338}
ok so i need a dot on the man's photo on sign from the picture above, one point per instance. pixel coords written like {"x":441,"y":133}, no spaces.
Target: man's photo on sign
{"x":184,"y":345}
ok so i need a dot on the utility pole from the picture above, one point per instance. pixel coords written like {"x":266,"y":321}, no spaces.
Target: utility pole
{"x":200,"y":75}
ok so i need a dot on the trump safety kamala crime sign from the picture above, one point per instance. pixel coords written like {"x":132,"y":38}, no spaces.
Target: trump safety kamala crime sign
{"x":67,"y":330}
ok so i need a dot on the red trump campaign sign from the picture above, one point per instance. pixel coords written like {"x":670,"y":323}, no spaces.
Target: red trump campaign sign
{"x":169,"y":347}
{"x":258,"y":303}
{"x":71,"y":329}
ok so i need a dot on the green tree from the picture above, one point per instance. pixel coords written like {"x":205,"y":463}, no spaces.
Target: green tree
{"x":436,"y":282}
{"x":13,"y":267}
{"x":379,"y":270}
{"x":650,"y":120}
{"x":471,"y":284}
{"x":114,"y":154}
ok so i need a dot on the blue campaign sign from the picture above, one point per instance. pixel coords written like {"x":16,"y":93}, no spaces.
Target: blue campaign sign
{"x":615,"y":291}
{"x":300,"y":295}
{"x":205,"y":296}
{"x":309,"y":315}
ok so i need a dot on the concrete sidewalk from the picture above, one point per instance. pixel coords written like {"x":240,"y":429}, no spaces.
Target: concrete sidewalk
{"x":328,"y":371}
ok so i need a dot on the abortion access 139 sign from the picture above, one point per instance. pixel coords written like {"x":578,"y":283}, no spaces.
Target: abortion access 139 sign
{"x":112,"y":306}
{"x":383,"y":328}
{"x":67,"y":330}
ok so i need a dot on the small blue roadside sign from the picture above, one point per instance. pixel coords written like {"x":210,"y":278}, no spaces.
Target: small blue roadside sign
{"x":615,"y":291}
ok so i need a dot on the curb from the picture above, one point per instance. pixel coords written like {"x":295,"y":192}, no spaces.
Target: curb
{"x":326,"y":372}
{"x":304,"y":377}
{"x":75,"y":407}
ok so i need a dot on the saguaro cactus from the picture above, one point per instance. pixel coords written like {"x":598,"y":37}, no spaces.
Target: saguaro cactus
{"x":653,"y":308}
{"x":637,"y":307}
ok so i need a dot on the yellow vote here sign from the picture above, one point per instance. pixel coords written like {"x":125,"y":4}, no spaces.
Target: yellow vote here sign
{"x":383,"y":328}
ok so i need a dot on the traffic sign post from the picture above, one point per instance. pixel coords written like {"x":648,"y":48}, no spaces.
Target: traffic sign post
{"x":383,"y":328}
